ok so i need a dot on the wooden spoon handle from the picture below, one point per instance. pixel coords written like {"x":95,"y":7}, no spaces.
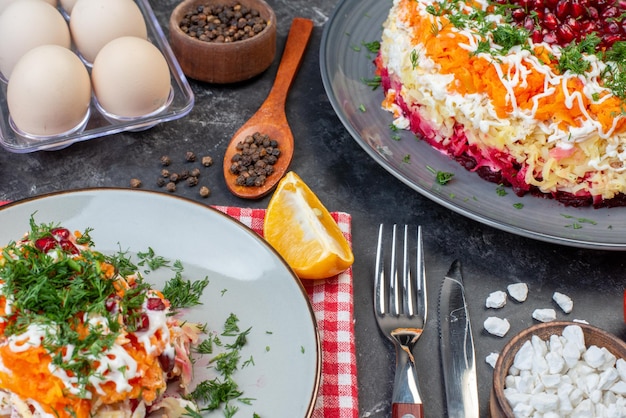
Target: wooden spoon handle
{"x":297,"y":40}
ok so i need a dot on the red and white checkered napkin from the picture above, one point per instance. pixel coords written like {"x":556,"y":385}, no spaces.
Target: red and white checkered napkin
{"x":332,"y":302}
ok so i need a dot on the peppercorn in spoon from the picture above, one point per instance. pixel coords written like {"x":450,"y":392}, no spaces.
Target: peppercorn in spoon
{"x":260,"y":152}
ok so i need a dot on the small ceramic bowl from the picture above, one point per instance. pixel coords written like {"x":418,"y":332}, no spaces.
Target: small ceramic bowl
{"x":223,"y":62}
{"x":498,"y":405}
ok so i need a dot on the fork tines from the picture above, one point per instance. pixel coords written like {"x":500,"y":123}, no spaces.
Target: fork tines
{"x":400,"y":288}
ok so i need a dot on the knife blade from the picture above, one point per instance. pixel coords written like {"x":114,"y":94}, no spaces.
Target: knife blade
{"x":457,"y":347}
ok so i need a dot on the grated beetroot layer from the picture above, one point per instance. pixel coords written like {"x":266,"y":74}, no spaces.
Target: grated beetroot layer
{"x":490,"y":164}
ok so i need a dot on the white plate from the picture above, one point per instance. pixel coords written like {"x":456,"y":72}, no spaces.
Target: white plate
{"x":345,"y":63}
{"x":246,"y":277}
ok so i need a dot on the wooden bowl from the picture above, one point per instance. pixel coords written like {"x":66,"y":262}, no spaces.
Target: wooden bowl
{"x":498,"y":405}
{"x":229,"y":62}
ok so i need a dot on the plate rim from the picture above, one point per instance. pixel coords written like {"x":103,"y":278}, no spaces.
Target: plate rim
{"x":88,"y":190}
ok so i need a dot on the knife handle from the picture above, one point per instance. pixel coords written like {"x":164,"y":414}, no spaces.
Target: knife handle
{"x":407,"y":410}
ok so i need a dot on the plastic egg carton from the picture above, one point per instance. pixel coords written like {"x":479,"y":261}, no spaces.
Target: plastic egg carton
{"x":100,"y":124}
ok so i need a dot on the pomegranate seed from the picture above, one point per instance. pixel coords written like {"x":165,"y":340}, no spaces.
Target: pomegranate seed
{"x":518,"y":14}
{"x":612,"y":28}
{"x":609,"y":40}
{"x":577,"y":9}
{"x":550,"y":38}
{"x":155,"y":304}
{"x":167,"y":362}
{"x":551,"y":4}
{"x":575,"y":25}
{"x":45,"y":244}
{"x":68,"y":247}
{"x":61,"y":233}
{"x":144,"y":322}
{"x":529,"y":23}
{"x":112,"y":304}
{"x":592,"y":12}
{"x":588,"y":27}
{"x":550,"y":21}
{"x":538,"y":5}
{"x":609,"y":12}
{"x":565,"y":34}
{"x":536,"y":36}
{"x":562,"y":9}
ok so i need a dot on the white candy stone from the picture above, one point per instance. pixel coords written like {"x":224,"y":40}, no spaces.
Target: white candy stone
{"x":575,"y":335}
{"x":518,"y":291}
{"x":491,"y":359}
{"x":619,"y":388}
{"x":565,"y":302}
{"x":523,"y":359}
{"x":496,"y":300}
{"x":544,"y":402}
{"x":497,"y":326}
{"x":594,"y":356}
{"x":620,"y":366}
{"x":544,"y":315}
{"x":555,"y":362}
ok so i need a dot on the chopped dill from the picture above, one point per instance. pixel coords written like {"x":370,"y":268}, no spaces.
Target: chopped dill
{"x":442,"y":177}
{"x":373,"y":82}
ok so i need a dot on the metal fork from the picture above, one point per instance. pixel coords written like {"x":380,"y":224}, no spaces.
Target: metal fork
{"x":400,"y":308}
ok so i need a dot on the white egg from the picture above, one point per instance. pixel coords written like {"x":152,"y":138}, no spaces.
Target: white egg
{"x":49,"y":92}
{"x":94,"y":23}
{"x":130,"y":77}
{"x":5,"y":3}
{"x":45,"y":26}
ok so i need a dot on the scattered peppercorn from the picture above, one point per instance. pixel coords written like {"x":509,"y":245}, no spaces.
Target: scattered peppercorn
{"x":169,"y":178}
{"x":204,"y":191}
{"x":255,"y":160}
{"x":165,"y":161}
{"x":222,"y":23}
{"x":135,"y":183}
{"x":192,"y":181}
{"x":190,"y":156}
{"x":183,"y":175}
{"x":207,"y":161}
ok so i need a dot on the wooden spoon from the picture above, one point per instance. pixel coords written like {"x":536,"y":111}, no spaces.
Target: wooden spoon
{"x":270,"y":119}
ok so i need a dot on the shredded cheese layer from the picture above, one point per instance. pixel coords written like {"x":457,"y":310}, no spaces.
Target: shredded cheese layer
{"x":515,"y":113}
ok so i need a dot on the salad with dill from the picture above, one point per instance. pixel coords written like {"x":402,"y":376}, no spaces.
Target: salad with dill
{"x":83,"y":334}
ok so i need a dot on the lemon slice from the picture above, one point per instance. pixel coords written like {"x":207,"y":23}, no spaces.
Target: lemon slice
{"x":304,"y":233}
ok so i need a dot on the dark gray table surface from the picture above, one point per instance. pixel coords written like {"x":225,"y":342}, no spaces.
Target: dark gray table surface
{"x":346,"y":179}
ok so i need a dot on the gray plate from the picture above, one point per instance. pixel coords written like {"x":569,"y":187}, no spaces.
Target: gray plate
{"x":345,"y":64}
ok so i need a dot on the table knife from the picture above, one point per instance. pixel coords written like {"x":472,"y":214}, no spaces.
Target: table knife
{"x":457,"y":347}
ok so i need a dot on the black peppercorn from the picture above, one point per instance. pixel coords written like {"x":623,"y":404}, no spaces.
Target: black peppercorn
{"x":190,"y":156}
{"x":207,"y":161}
{"x":165,"y":160}
{"x":204,"y":191}
{"x":192,"y":181}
